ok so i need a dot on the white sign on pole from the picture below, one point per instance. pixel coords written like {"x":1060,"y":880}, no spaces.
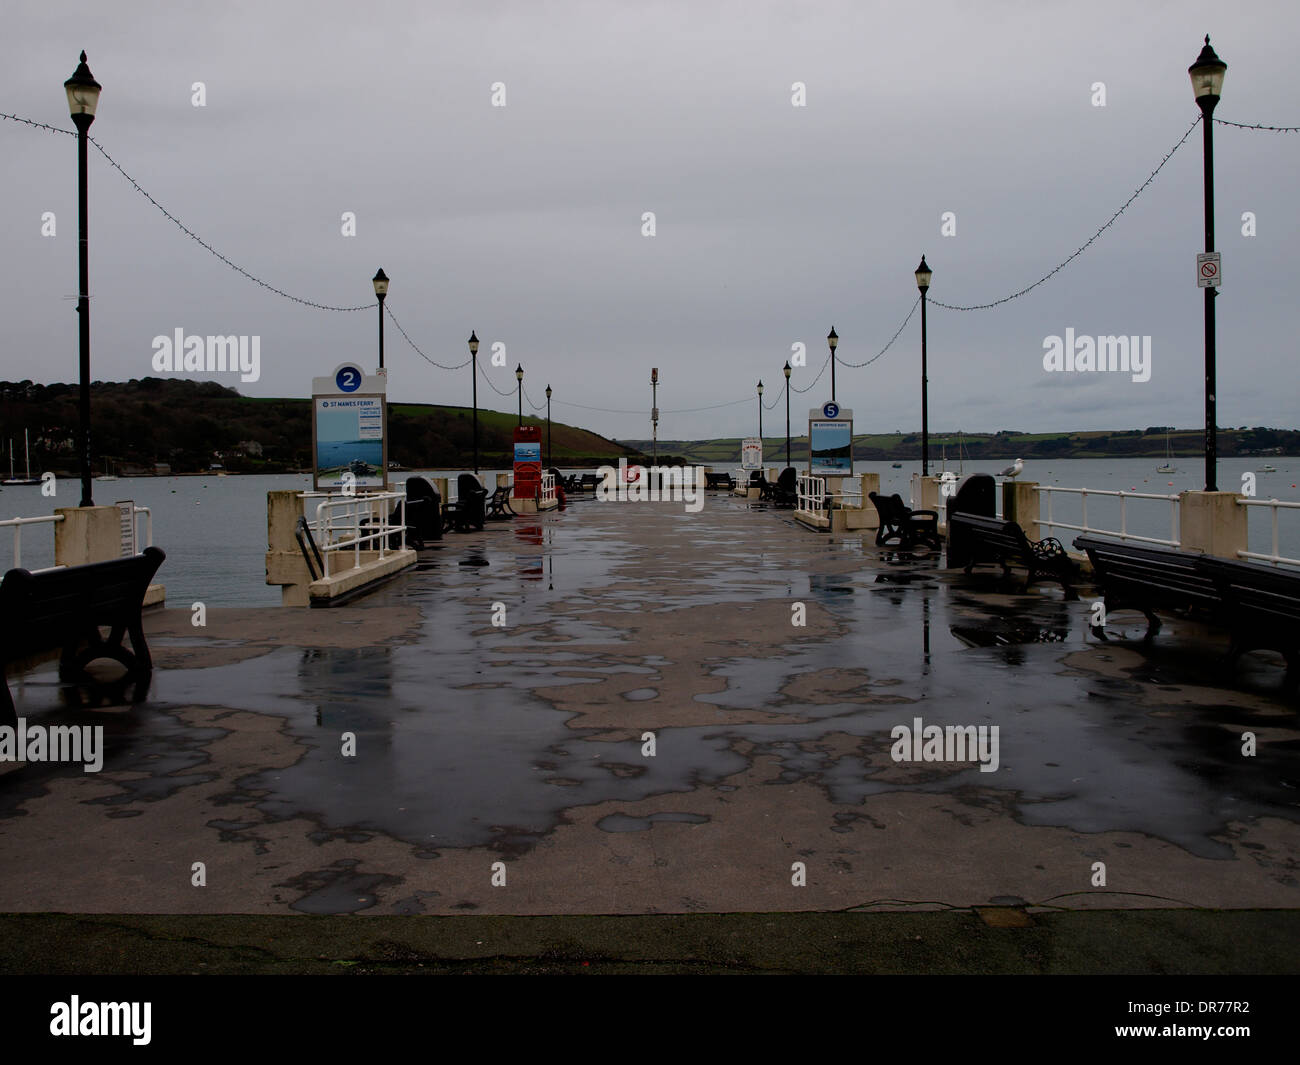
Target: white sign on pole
{"x":126,"y":522}
{"x":751,"y":453}
{"x":1208,"y":269}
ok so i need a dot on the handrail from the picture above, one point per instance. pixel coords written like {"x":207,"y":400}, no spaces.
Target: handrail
{"x":546,"y":490}
{"x":810,"y":493}
{"x":1050,"y":523}
{"x":17,"y":525}
{"x":301,"y":530}
{"x":343,"y":514}
{"x":1274,"y":505}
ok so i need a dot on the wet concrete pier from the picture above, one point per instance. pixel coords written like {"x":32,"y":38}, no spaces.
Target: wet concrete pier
{"x":522,"y":743}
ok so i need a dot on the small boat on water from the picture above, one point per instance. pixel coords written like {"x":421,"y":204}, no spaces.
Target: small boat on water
{"x":898,"y":465}
{"x":1168,"y":466}
{"x":12,"y":479}
{"x":1266,"y":468}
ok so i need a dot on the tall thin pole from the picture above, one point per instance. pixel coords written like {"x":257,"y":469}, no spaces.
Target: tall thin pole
{"x":381,"y":331}
{"x":473,"y":357}
{"x":83,"y":304}
{"x":654,"y":421}
{"x":548,"y":427}
{"x":1211,"y":418}
{"x":787,"y":421}
{"x":925,"y":399}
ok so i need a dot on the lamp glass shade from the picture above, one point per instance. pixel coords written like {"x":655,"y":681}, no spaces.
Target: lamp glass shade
{"x":786,"y":371}
{"x":760,"y":388}
{"x":923,"y":275}
{"x":83,"y":90}
{"x":548,"y":391}
{"x":519,"y":372}
{"x":473,"y":342}
{"x":832,"y":338}
{"x":380,"y":281}
{"x":1207,"y":73}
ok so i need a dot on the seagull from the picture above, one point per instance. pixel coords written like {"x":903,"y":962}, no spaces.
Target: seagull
{"x":1014,"y":470}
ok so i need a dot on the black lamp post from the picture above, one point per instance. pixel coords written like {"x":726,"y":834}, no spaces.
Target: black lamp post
{"x":923,"y":275}
{"x":473,"y":358}
{"x":760,"y":419}
{"x":519,"y":387}
{"x":1207,"y":82}
{"x":786,"y":371}
{"x":83,"y":97}
{"x":380,"y":281}
{"x":548,"y":427}
{"x":833,"y":340}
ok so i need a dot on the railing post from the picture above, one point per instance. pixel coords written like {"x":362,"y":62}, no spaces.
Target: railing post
{"x":1213,"y":523}
{"x":18,"y":543}
{"x":1123,"y":518}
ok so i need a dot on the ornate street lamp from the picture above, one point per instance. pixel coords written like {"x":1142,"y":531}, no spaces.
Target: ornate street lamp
{"x":380,"y":281}
{"x":473,"y":358}
{"x":923,"y":275}
{"x":786,"y":371}
{"x":832,"y":340}
{"x":83,"y":97}
{"x":1207,"y":83}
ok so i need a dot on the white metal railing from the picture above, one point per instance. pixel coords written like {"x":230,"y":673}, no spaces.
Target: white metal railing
{"x":1274,"y":506}
{"x":17,"y":525}
{"x":851,"y":496}
{"x":148,"y":526}
{"x":811,"y":493}
{"x":1122,"y":532}
{"x":547,"y":491}
{"x":339,"y":518}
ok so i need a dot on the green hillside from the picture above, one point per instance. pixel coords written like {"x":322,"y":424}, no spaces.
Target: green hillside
{"x":189,"y":425}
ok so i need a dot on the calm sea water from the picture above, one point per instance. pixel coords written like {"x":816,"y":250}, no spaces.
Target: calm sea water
{"x":214,"y":528}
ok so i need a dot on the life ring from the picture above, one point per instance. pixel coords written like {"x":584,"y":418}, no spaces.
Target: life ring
{"x":631,"y":474}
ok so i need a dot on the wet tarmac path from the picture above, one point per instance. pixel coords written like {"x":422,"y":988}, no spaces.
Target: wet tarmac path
{"x":524,"y":741}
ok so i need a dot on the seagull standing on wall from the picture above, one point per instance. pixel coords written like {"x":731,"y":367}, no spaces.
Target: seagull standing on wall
{"x":1014,"y":470}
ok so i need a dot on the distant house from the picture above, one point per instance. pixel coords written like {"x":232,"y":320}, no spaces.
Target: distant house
{"x":250,"y":447}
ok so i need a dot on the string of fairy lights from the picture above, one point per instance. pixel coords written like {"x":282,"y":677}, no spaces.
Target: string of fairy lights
{"x":387,"y":308}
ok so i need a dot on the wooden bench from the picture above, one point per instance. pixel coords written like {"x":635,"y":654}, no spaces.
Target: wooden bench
{"x":719,"y":481}
{"x":900,"y":523}
{"x":1261,"y":607}
{"x":63,"y":609}
{"x":1258,"y":604}
{"x":1145,"y":577}
{"x":992,"y":540}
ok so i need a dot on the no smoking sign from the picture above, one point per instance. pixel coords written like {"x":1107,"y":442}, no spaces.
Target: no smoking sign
{"x":1208,"y":270}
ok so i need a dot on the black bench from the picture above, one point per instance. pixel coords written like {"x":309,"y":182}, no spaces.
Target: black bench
{"x":992,"y":540}
{"x":1144,"y":577}
{"x":784,"y":491}
{"x":1258,"y":604}
{"x":588,"y":482}
{"x":1261,"y":607}
{"x":899,"y":522}
{"x":63,"y":609}
{"x":498,"y":506}
{"x":469,"y":510}
{"x":719,"y":480}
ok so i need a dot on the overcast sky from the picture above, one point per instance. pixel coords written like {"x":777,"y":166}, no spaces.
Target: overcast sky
{"x":773,"y":222}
